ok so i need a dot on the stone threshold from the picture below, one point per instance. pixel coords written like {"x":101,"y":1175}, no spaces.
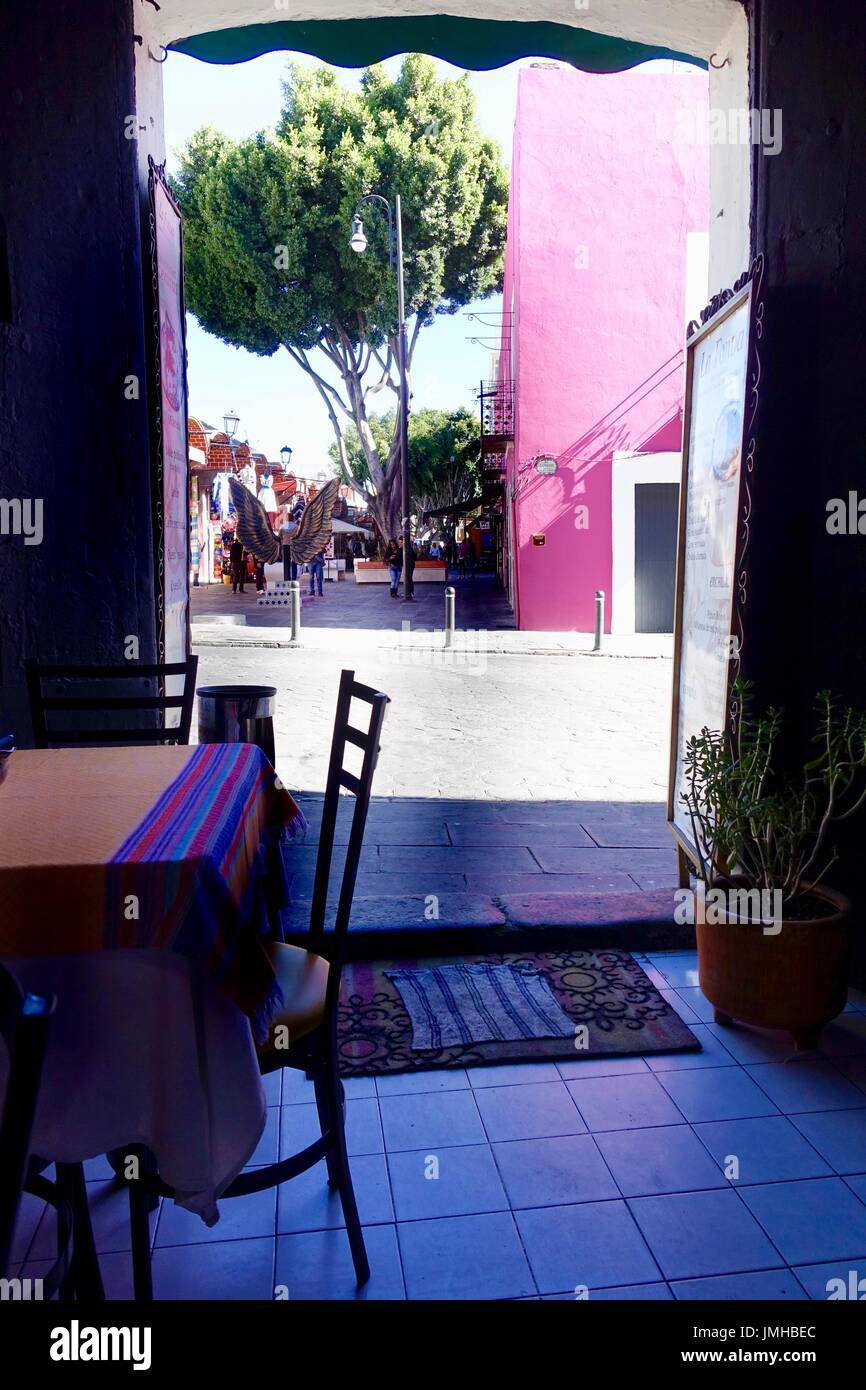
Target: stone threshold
{"x":471,"y":923}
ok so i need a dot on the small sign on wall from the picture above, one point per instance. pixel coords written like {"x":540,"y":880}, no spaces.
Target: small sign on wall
{"x":538,"y":538}
{"x":545,"y":464}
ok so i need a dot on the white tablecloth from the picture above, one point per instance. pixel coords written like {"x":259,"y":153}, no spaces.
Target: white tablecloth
{"x":144,"y":1049}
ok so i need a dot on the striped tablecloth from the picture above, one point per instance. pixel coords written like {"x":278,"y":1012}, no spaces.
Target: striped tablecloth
{"x":139,"y":885}
{"x":173,"y":848}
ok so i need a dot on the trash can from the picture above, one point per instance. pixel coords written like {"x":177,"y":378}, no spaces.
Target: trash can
{"x":238,"y":714}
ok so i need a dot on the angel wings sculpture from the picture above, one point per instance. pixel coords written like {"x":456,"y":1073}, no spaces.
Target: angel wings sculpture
{"x":254,"y":529}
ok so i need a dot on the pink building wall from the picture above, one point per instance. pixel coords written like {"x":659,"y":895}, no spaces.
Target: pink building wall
{"x":602,"y":200}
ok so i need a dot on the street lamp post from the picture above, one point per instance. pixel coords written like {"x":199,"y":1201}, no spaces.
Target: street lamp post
{"x":451,"y":520}
{"x":231,"y":422}
{"x":358,"y":242}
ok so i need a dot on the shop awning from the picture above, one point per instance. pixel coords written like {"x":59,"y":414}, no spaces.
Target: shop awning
{"x":458,"y":509}
{"x":468,"y":43}
{"x":341,"y":528}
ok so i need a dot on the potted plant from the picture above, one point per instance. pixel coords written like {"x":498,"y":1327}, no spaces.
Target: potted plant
{"x":773,"y":940}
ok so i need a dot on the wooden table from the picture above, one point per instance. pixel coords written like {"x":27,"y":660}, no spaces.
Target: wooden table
{"x":138,"y":885}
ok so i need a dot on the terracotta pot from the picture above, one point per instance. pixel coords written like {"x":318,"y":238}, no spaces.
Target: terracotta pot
{"x":796,"y":979}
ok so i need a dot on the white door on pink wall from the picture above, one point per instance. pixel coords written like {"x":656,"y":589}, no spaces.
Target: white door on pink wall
{"x":644,"y":516}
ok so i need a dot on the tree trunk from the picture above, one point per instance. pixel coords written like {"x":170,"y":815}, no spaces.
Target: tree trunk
{"x":386,"y":506}
{"x":385,"y":502}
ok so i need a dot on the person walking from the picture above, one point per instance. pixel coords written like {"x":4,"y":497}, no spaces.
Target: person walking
{"x":394,"y":561}
{"x":239,"y":565}
{"x":317,"y":574}
{"x":462,"y":557}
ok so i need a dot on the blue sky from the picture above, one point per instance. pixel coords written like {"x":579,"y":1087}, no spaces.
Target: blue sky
{"x":274,"y":400}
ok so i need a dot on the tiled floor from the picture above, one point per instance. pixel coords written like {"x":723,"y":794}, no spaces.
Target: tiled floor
{"x":735,"y":1173}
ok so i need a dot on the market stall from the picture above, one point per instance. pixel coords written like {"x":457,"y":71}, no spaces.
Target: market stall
{"x":376,"y":572}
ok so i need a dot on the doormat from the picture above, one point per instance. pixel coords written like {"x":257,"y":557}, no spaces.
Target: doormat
{"x":608,"y":1005}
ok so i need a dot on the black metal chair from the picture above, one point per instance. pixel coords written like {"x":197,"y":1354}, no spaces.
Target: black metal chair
{"x":25,"y":1020}
{"x":46,"y":710}
{"x":304,"y":1035}
{"x":24,"y":1024}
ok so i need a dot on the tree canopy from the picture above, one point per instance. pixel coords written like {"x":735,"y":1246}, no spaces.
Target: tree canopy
{"x":444,"y":451}
{"x":267,"y":224}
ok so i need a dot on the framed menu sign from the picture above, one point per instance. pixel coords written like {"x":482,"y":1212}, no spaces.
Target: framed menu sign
{"x":721,"y":398}
{"x":169,"y":394}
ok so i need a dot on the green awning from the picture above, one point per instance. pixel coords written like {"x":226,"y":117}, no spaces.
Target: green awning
{"x":467,"y":43}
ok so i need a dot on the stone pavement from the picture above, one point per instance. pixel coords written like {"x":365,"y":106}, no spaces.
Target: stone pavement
{"x":514,"y":791}
{"x":364,"y":615}
{"x":346,"y":604}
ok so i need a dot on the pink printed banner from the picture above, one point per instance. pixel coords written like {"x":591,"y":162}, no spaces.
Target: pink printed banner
{"x":172,"y":433}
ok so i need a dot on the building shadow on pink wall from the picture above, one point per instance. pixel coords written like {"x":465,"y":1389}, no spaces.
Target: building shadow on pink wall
{"x":618,"y":429}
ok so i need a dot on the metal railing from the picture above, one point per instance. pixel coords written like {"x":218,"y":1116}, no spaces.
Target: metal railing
{"x":496,"y":399}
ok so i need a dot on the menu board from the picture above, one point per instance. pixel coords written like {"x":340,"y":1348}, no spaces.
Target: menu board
{"x":171,"y":422}
{"x":706,"y":645}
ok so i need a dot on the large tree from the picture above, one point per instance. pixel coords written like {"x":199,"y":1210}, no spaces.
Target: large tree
{"x":444,"y":455}
{"x":267,"y":223}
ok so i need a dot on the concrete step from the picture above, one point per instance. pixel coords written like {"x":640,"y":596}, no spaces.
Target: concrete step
{"x":464,"y":875}
{"x":454,"y":923}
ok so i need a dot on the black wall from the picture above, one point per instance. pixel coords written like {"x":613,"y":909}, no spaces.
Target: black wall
{"x":69,"y":214}
{"x":806,"y":617}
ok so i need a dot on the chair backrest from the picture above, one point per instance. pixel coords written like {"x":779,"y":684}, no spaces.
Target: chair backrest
{"x":24,"y":1024}
{"x":360,"y":786}
{"x":47,"y":710}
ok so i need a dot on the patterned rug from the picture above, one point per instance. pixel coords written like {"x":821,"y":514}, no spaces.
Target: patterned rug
{"x":609,"y":1006}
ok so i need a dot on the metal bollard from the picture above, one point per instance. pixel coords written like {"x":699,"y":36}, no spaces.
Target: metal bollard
{"x":449,"y":616}
{"x":295,"y":594}
{"x":599,"y":619}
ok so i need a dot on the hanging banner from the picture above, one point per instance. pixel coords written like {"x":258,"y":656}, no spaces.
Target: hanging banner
{"x":170,"y":420}
{"x":721,"y":399}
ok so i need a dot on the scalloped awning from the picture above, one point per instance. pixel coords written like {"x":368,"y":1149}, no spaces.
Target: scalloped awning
{"x":467,"y":43}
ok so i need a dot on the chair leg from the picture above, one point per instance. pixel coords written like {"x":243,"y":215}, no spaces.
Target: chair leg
{"x":334,"y":1090}
{"x":327,"y":1123}
{"x":117,"y":1160}
{"x":66,"y":1287}
{"x":139,"y":1226}
{"x":85,"y":1271}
